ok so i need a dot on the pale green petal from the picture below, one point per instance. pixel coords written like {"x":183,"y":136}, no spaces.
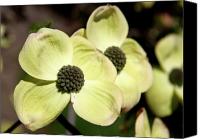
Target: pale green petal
{"x":179,"y":93}
{"x":137,"y":65}
{"x":131,"y":47}
{"x":142,"y":127}
{"x":93,"y":63}
{"x":159,"y":129}
{"x":37,"y":105}
{"x":161,"y":97}
{"x":130,"y":93}
{"x":98,"y":102}
{"x":136,"y":76}
{"x":81,"y":32}
{"x":107,"y":27}
{"x":44,"y":53}
{"x":169,"y":52}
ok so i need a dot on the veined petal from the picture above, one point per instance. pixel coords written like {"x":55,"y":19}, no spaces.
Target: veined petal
{"x":159,"y":129}
{"x":160,"y":97}
{"x":37,"y":105}
{"x":44,"y":53}
{"x":130,"y":93}
{"x":81,"y":32}
{"x":179,"y":93}
{"x":142,"y":127}
{"x":169,"y":52}
{"x":93,"y":63}
{"x":137,"y":65}
{"x":131,"y":46}
{"x":98,"y":102}
{"x":107,"y":27}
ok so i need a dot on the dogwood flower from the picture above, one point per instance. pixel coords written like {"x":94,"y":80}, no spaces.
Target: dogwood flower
{"x":142,"y":127}
{"x":167,"y":88}
{"x":64,"y":69}
{"x":107,"y":29}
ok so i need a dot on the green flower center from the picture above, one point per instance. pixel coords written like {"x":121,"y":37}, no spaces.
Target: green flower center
{"x":116,"y":56}
{"x":70,"y":79}
{"x":176,"y":77}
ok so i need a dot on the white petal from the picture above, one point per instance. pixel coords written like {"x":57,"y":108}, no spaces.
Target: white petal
{"x":44,"y":53}
{"x":37,"y":105}
{"x":98,"y":102}
{"x":107,"y":27}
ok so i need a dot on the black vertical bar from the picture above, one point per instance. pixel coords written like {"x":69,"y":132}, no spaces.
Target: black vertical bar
{"x":190,"y":69}
{"x":61,"y":119}
{"x":13,"y":127}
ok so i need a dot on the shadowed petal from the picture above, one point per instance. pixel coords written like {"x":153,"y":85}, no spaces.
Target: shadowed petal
{"x":37,"y":105}
{"x":160,"y":97}
{"x":159,"y":129}
{"x":179,"y":93}
{"x":169,"y":52}
{"x":137,"y":65}
{"x":142,"y":127}
{"x":130,"y":93}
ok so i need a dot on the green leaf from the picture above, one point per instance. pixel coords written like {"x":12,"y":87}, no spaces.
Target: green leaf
{"x":38,"y":25}
{"x":121,"y":127}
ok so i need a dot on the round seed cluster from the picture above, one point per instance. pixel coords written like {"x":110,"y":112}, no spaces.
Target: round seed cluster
{"x":70,"y":79}
{"x":176,"y":77}
{"x":116,"y":56}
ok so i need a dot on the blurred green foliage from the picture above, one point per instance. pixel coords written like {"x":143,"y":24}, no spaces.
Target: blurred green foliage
{"x":4,"y":39}
{"x":37,"y":25}
{"x":121,"y":127}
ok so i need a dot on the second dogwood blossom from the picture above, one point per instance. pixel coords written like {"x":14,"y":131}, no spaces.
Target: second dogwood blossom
{"x":107,"y":29}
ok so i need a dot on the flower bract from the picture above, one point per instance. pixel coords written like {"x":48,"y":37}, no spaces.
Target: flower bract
{"x":142,"y":126}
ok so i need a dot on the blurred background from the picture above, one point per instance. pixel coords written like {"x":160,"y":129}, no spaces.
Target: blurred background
{"x":148,"y":22}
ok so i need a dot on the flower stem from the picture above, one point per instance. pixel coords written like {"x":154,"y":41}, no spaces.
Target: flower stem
{"x":61,"y":119}
{"x":13,"y":127}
